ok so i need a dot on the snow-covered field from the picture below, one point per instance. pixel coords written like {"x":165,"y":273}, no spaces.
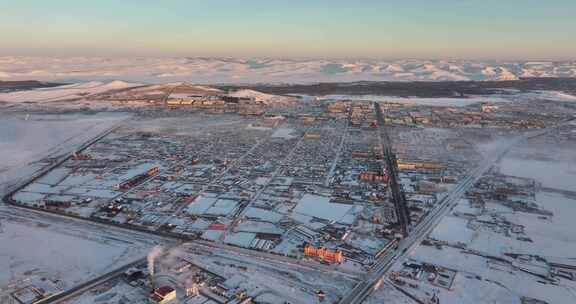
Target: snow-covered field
{"x":236,"y":70}
{"x":554,"y":166}
{"x":59,"y":248}
{"x":514,"y":95}
{"x":552,"y":237}
{"x":552,"y":95}
{"x":481,"y":280}
{"x":72,"y":91}
{"x":25,"y":139}
{"x":552,"y":174}
{"x":263,"y":97}
{"x":478,"y":252}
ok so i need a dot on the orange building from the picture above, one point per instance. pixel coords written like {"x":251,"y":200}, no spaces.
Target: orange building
{"x":361,"y":154}
{"x":324,"y":254}
{"x":373,"y":177}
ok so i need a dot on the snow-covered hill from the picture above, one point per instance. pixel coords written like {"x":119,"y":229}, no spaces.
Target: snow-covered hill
{"x":99,"y":93}
{"x":204,"y":70}
{"x":262,"y":97}
{"x":65,"y":92}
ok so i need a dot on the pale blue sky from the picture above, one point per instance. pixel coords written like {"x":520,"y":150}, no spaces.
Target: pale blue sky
{"x":503,"y":29}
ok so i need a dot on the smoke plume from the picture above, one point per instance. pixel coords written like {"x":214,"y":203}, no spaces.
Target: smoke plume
{"x":156,"y":252}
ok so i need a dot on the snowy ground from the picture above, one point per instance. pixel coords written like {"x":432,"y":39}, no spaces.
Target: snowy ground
{"x":117,"y":291}
{"x":391,"y":295}
{"x":56,"y":247}
{"x":25,"y":139}
{"x":482,"y":279}
{"x":71,"y":91}
{"x":550,"y":174}
{"x":552,"y":165}
{"x":538,"y":95}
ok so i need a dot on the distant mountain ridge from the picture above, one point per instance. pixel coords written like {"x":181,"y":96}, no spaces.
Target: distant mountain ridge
{"x":25,"y":85}
{"x":205,"y":70}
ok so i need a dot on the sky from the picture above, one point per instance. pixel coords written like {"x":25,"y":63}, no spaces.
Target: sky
{"x":470,"y":29}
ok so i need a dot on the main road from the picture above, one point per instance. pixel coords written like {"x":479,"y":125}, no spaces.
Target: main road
{"x":402,"y":213}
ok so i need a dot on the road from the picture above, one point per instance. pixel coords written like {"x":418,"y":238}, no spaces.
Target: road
{"x":340,"y":148}
{"x":361,"y":291}
{"x":402,"y":213}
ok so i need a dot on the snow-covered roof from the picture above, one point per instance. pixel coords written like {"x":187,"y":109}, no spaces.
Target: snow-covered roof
{"x":321,"y":207}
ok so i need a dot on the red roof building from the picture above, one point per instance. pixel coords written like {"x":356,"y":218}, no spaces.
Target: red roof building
{"x":163,"y":295}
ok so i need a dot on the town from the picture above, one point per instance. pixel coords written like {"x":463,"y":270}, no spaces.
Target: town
{"x":329,"y":187}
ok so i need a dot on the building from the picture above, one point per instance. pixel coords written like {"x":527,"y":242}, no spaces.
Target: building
{"x":373,"y":177}
{"x":324,"y":254}
{"x":489,"y":108}
{"x":312,"y":136}
{"x":163,"y":295}
{"x":361,"y":154}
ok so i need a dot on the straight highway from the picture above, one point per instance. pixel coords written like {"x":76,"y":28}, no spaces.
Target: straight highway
{"x":402,"y":213}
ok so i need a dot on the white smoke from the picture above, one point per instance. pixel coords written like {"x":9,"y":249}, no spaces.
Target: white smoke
{"x":156,"y":252}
